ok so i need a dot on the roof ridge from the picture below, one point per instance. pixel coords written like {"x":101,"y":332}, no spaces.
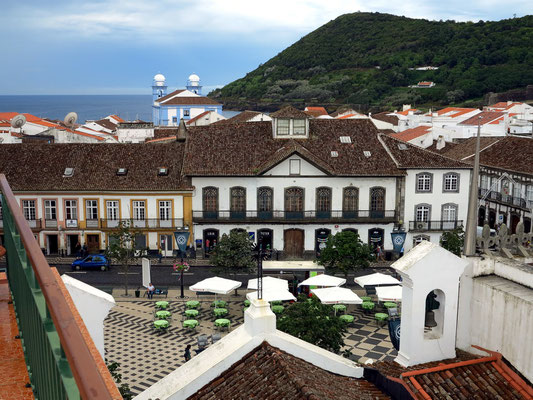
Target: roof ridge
{"x":387,"y":149}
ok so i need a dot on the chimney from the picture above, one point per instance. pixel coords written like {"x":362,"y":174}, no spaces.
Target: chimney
{"x":440,"y":143}
{"x":406,"y":107}
{"x":182,"y":132}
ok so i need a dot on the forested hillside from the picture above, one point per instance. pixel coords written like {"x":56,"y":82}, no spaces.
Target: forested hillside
{"x":370,"y":59}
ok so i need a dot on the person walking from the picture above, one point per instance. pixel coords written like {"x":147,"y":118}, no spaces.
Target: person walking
{"x":77,"y":250}
{"x":84,"y":251}
{"x":187,"y":353}
{"x":159,"y":253}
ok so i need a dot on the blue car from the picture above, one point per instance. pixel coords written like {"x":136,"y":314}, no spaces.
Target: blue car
{"x":99,"y":261}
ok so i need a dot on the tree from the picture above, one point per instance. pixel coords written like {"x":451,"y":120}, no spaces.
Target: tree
{"x":123,"y":388}
{"x":233,"y":253}
{"x":453,"y":241}
{"x":121,"y":247}
{"x":314,"y":322}
{"x":344,"y":252}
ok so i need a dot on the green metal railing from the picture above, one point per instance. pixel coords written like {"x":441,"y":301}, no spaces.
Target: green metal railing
{"x":58,"y":359}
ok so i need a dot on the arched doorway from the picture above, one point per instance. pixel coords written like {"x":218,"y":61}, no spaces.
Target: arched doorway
{"x":293,"y":243}
{"x":481,"y":216}
{"x":210,"y":240}
{"x":515,"y":219}
{"x":492,"y":218}
{"x":321,"y":237}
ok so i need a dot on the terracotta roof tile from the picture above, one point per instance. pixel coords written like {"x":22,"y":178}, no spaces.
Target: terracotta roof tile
{"x":406,"y":112}
{"x":412,"y":156}
{"x":466,"y":148}
{"x":168,"y":96}
{"x":268,"y":373}
{"x":455,"y":111}
{"x":413,"y":133}
{"x":245,"y":149}
{"x":316,"y":111}
{"x":510,"y":153}
{"x":482,"y":118}
{"x":40,"y":167}
{"x":289,"y":112}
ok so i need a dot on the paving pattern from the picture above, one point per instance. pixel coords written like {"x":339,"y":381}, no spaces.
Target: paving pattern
{"x":146,"y":356}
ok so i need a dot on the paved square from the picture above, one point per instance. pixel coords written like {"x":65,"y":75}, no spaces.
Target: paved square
{"x":145,"y":356}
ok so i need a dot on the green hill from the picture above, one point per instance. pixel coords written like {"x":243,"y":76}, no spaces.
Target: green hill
{"x":370,"y":59}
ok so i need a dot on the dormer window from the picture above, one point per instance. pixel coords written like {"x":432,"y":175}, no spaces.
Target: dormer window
{"x":283,"y":127}
{"x":298,"y":127}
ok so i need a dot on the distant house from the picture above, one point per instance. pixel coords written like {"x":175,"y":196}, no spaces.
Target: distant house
{"x":423,"y":84}
{"x":420,"y":136}
{"x":206,"y":118}
{"x":186,"y":104}
{"x":316,"y":112}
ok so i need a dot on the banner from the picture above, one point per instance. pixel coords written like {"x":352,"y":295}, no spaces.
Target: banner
{"x":398,"y":240}
{"x":394,"y":332}
{"x":182,"y":237}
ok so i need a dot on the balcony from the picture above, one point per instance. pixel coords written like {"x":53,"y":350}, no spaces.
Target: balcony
{"x":35,"y":224}
{"x":337,"y":216}
{"x":425,"y":226}
{"x":57,"y":353}
{"x":148,"y":223}
{"x":505,"y":199}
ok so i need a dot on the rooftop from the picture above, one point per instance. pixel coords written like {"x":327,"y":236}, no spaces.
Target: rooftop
{"x":484,"y":117}
{"x":413,"y":133}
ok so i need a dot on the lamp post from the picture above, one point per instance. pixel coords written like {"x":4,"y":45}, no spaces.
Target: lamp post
{"x":471,"y":222}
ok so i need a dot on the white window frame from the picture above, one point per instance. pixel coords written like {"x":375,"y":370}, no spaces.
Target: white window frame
{"x":139,"y":210}
{"x":91,"y":210}
{"x":283,"y":130}
{"x":422,"y":213}
{"x":165,"y":210}
{"x":30,"y":212}
{"x":71,"y":209}
{"x":112,"y":210}
{"x":299,"y":130}
{"x":446,"y":212}
{"x":295,"y":167}
{"x":50,"y":210}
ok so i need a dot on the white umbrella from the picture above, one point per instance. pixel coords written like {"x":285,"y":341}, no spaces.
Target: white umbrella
{"x":376,"y":279}
{"x":269,"y":282}
{"x":323,"y":280}
{"x":337,"y":295}
{"x":389,"y":293}
{"x":215,"y":285}
{"x":273,"y":295}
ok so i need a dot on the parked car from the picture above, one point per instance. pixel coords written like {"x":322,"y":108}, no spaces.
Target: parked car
{"x":92,"y":261}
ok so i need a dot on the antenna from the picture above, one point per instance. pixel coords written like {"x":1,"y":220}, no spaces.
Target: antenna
{"x":18,"y":121}
{"x":70,"y":119}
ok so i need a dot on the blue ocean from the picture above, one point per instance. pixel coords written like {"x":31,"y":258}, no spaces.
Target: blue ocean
{"x":88,"y":107}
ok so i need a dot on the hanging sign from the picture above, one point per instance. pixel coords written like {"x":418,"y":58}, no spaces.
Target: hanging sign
{"x":181,"y":239}
{"x":398,"y":240}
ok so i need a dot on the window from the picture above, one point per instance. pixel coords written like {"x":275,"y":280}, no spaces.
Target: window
{"x":71,"y":209}
{"x":323,"y":202}
{"x":122,"y":171}
{"x":298,"y":126}
{"x":140,"y":242}
{"x":264,"y":199}
{"x":517,"y":190}
{"x":175,"y":120}
{"x":367,"y":153}
{"x":186,"y":113}
{"x":294,"y":167}
{"x":68,"y":172}
{"x":451,"y":182}
{"x":210,"y":199}
{"x":28,"y":207}
{"x":529,"y":195}
{"x":345,"y":139}
{"x":484,"y":182}
{"x":165,"y":210}
{"x":419,"y":239}
{"x":350,"y":202}
{"x":424,"y":182}
{"x":283,"y":127}
{"x":50,"y":210}
{"x":112,"y":210}
{"x":449,"y":212}
{"x":422,"y":212}
{"x":237,"y":201}
{"x":139,"y":211}
{"x":163,"y":171}
{"x":377,"y":202}
{"x":91,"y":209}
{"x":294,"y":202}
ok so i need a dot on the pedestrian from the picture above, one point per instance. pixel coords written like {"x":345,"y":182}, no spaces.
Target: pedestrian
{"x":151,"y":290}
{"x":84,"y":251}
{"x":77,"y":250}
{"x":159,"y":253}
{"x":379,"y":253}
{"x":187,"y":353}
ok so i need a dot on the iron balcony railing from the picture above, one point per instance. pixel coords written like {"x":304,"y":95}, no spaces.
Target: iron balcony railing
{"x":34,"y":224}
{"x":424,"y":226}
{"x":295,"y":216}
{"x":504,"y":198}
{"x":148,"y":223}
{"x":59,"y":361}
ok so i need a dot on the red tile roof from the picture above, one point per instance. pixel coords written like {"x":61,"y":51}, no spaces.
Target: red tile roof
{"x":268,"y":373}
{"x":482,"y":118}
{"x":406,"y":112}
{"x":316,"y":111}
{"x":504,"y":106}
{"x":464,"y":377}
{"x":413,"y":133}
{"x":455,"y":112}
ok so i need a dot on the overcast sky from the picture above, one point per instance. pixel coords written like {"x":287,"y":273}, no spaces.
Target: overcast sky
{"x":116,"y":46}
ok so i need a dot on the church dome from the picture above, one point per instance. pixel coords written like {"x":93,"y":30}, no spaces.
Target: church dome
{"x":159,"y":79}
{"x":193,"y":78}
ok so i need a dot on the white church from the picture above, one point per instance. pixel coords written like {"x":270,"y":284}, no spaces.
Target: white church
{"x":189,"y":104}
